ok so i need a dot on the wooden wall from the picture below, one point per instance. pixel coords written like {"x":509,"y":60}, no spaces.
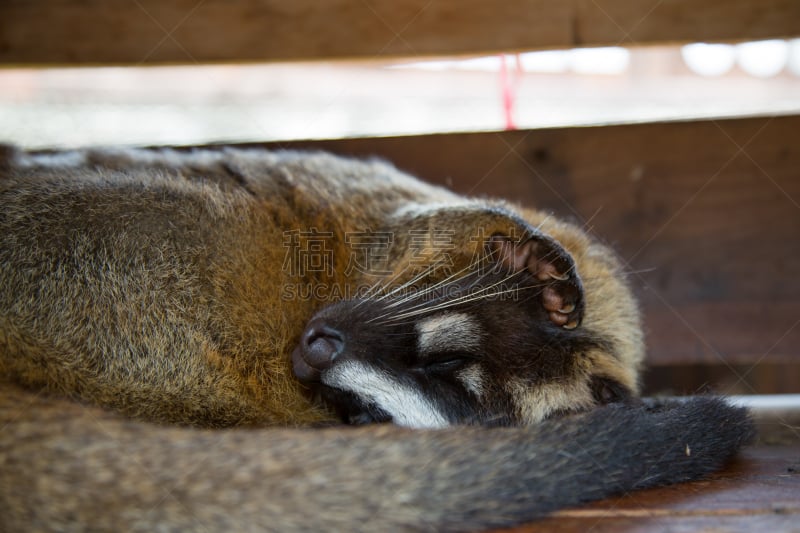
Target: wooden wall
{"x":85,"y":32}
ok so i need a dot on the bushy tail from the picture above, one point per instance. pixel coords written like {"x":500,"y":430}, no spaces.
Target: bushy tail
{"x":65,"y":467}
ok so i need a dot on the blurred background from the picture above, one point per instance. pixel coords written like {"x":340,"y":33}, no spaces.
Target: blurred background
{"x":284,"y":101}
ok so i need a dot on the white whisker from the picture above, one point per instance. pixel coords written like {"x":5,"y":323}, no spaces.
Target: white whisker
{"x":483,"y":293}
{"x":428,"y":290}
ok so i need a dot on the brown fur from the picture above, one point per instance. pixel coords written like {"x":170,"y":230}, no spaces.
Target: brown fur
{"x":149,"y":283}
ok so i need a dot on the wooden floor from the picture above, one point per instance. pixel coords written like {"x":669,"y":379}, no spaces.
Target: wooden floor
{"x":760,"y":491}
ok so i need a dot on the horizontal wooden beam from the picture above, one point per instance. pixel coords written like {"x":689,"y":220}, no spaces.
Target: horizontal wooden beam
{"x":723,"y":377}
{"x":92,"y":32}
{"x":705,"y":215}
{"x":777,"y":418}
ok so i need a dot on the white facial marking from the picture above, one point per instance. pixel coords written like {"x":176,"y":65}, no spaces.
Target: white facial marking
{"x":536,"y":402}
{"x":448,"y":331}
{"x":407,"y":407}
{"x":472,"y":378}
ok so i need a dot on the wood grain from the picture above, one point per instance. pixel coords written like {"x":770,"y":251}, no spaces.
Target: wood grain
{"x":705,"y":214}
{"x":92,"y":32}
{"x":756,"y":493}
{"x":766,"y":377}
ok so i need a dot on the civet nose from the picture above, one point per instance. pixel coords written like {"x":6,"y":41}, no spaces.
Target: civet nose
{"x":319,"y":347}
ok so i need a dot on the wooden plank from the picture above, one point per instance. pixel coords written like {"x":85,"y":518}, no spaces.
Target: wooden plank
{"x":758,"y":492}
{"x":777,"y":418}
{"x":47,"y":32}
{"x":705,"y":214}
{"x":767,"y":377}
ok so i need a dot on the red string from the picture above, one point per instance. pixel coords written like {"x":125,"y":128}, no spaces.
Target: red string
{"x":508,"y":87}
